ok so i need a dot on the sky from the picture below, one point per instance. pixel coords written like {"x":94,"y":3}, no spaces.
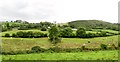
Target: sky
{"x":61,"y":11}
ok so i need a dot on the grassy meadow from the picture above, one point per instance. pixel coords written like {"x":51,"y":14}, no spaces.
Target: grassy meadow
{"x":93,"y":55}
{"x":13,"y":44}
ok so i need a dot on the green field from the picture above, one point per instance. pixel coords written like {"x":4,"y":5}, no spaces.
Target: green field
{"x":93,"y":55}
{"x":13,"y":44}
{"x":17,"y":44}
{"x":112,"y":31}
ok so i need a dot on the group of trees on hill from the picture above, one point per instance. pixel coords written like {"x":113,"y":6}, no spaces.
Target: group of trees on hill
{"x":93,"y":24}
{"x":23,"y":25}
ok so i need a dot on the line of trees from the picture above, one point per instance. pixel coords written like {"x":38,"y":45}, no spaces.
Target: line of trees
{"x":55,"y":32}
{"x":29,"y":34}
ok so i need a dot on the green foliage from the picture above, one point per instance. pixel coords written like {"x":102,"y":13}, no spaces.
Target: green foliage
{"x":89,"y":35}
{"x":55,"y":49}
{"x":103,"y":33}
{"x":67,"y":33}
{"x":3,"y":28}
{"x":104,"y":46}
{"x":109,"y":56}
{"x":14,"y":35}
{"x":7,"y":35}
{"x":30,"y":34}
{"x":81,"y":32}
{"x":37,"y":49}
{"x":20,"y":34}
{"x":54,"y":35}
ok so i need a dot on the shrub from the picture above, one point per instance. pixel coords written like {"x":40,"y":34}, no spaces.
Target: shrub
{"x":90,"y":35}
{"x":7,"y":35}
{"x":29,"y":34}
{"x":104,"y":46}
{"x":37,"y":49}
{"x":88,"y":41}
{"x":103,"y":33}
{"x":66,"y":32}
{"x":55,"y":49}
{"x":13,"y":35}
{"x":20,"y":34}
{"x":83,"y":47}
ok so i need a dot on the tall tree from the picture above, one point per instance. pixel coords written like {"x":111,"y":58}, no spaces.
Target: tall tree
{"x":54,"y":34}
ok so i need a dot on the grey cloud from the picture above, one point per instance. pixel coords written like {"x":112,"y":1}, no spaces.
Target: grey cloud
{"x":25,"y":10}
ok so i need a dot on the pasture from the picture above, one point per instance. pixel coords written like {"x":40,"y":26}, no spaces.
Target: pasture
{"x":13,"y":44}
{"x":92,"y":55}
{"x":16,"y":44}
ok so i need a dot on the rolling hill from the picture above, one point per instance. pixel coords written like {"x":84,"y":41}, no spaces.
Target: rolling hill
{"x":92,"y":24}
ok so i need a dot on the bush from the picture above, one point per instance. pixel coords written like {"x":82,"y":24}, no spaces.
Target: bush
{"x":37,"y":49}
{"x":29,"y":34}
{"x":88,"y":41}
{"x":20,"y":34}
{"x":104,"y":46}
{"x":13,"y":35}
{"x":39,"y":34}
{"x":67,"y":32}
{"x":90,"y":35}
{"x":103,"y":33}
{"x":83,"y":47}
{"x":55,"y":49}
{"x":81,"y":32}
{"x":7,"y":35}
